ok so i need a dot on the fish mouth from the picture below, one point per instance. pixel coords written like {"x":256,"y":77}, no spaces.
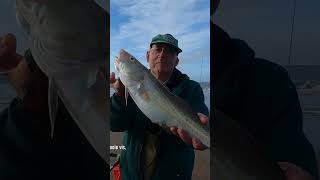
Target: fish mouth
{"x":123,"y":55}
{"x":118,"y":63}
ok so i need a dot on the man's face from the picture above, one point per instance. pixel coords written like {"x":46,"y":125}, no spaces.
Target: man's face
{"x":162,"y":58}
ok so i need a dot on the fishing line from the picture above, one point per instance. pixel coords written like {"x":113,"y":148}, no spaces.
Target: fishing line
{"x":201,"y":70}
{"x":292,"y":27}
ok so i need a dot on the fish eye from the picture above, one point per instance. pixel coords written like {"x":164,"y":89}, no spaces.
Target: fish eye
{"x":132,"y":58}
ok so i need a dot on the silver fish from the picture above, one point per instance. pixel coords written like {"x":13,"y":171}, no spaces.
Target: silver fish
{"x":68,"y":40}
{"x":237,"y":155}
{"x":156,"y":101}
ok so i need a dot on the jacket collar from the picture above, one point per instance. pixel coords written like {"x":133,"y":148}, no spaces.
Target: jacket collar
{"x":177,"y":82}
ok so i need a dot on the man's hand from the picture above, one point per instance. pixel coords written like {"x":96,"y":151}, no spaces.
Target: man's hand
{"x":196,"y":143}
{"x":293,"y":172}
{"x":9,"y":59}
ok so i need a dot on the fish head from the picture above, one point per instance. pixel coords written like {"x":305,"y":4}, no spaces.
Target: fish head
{"x":130,"y":69}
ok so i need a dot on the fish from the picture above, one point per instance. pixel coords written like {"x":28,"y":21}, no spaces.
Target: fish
{"x":69,"y":42}
{"x":156,"y":101}
{"x":236,"y":154}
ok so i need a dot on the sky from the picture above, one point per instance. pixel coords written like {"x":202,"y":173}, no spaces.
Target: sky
{"x":264,"y":25}
{"x":135,"y":22}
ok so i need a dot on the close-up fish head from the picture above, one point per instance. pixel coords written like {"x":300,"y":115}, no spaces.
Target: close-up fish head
{"x":67,"y":42}
{"x":130,"y":69}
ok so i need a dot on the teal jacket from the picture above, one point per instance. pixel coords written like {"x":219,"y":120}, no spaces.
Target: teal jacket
{"x":175,"y":158}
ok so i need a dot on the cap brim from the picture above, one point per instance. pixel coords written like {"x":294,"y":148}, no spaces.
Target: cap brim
{"x":160,"y":41}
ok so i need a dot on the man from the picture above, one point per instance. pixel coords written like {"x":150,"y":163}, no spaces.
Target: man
{"x":153,"y":152}
{"x":27,"y":150}
{"x":261,"y":97}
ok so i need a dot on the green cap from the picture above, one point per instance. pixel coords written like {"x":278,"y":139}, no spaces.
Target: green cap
{"x":166,"y":38}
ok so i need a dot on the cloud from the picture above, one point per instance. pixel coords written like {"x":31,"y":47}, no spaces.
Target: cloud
{"x":195,"y":57}
{"x":135,"y":22}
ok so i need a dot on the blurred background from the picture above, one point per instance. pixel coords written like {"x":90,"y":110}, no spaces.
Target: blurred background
{"x":285,"y":32}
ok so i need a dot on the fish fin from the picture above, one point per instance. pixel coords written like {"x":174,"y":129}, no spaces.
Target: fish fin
{"x":92,"y":78}
{"x":53,"y":104}
{"x":126,"y":95}
{"x":142,"y":92}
